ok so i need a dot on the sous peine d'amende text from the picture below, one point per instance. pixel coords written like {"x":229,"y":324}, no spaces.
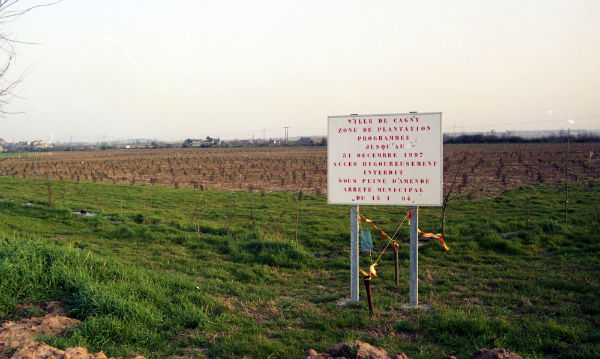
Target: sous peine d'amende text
{"x":386,"y":164}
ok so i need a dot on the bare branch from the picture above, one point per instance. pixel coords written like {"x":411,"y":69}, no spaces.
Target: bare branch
{"x":9,"y":12}
{"x":458,"y":171}
{"x":7,"y":15}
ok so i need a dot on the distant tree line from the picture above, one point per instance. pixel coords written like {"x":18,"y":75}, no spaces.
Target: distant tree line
{"x":508,"y":137}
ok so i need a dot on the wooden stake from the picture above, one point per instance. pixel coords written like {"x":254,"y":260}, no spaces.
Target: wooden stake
{"x":49,"y":193}
{"x":297,"y":223}
{"x":396,"y":265}
{"x":367,"y":280}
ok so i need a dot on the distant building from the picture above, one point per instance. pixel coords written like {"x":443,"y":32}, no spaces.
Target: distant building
{"x":319,"y":141}
{"x":312,"y":141}
{"x":207,"y":142}
{"x":39,"y":145}
{"x":305,"y":141}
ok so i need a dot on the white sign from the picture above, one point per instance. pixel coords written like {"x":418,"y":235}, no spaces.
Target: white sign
{"x":393,"y":159}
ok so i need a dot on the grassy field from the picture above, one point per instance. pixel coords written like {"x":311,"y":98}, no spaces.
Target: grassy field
{"x":161,"y":271}
{"x":14,"y":155}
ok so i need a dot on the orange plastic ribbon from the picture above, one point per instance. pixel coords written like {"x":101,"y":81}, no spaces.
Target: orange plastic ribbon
{"x":383,"y":234}
{"x":372,"y":271}
{"x":429,"y":235}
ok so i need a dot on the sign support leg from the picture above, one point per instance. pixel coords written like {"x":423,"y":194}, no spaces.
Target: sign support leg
{"x":354,"y":258}
{"x":414,"y":257}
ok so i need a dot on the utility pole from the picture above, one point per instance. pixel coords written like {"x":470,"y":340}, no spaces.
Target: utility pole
{"x":286,"y":134}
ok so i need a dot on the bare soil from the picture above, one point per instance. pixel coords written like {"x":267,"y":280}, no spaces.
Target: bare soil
{"x":360,"y":350}
{"x":17,"y":338}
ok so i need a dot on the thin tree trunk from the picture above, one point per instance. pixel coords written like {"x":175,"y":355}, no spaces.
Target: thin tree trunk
{"x":444,"y":220}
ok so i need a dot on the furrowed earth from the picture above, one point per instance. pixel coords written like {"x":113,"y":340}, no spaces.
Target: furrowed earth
{"x":488,"y":169}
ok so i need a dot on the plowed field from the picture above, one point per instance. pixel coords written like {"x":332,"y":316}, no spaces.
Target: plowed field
{"x":487,"y":169}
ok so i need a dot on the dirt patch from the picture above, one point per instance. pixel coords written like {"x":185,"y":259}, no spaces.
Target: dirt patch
{"x":360,"y":350}
{"x":16,"y":337}
{"x":495,"y":354}
{"x":14,"y":334}
{"x":35,"y":350}
{"x":354,"y":349}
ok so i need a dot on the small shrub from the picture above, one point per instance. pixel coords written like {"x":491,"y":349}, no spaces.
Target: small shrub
{"x":495,"y":243}
{"x":271,"y":253}
{"x":460,"y":229}
{"x":550,"y":225}
{"x":405,"y":326}
{"x":124,"y":231}
{"x":138,"y":218}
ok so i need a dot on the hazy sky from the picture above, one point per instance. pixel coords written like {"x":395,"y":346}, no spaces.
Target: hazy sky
{"x":175,"y":69}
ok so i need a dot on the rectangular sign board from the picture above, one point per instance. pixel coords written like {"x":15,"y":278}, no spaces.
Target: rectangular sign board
{"x":391,"y":159}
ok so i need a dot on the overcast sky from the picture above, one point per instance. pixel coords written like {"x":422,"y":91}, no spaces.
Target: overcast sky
{"x":115,"y":69}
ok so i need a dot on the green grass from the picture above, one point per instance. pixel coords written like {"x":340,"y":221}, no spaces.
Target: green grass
{"x":14,"y":155}
{"x":160,"y":272}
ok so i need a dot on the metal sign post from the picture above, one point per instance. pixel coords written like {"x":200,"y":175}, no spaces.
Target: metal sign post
{"x":414,"y":257}
{"x":385,"y":160}
{"x":354,"y":258}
